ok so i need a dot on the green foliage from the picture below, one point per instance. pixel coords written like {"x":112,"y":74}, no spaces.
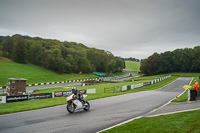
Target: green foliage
{"x":61,"y":57}
{"x":7,"y":45}
{"x":179,"y":60}
{"x":33,"y":73}
{"x":19,"y":51}
{"x":132,"y":59}
{"x":5,"y":60}
{"x":152,"y":63}
{"x":132,"y":66}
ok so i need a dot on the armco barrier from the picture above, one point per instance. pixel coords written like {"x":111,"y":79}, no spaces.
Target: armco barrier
{"x":124,"y":88}
{"x":109,"y":90}
{"x":138,"y":85}
{"x":61,"y":93}
{"x":91,"y":91}
{"x":40,"y":96}
{"x":146,"y":83}
{"x":2,"y":99}
{"x":16,"y":98}
{"x":129,"y":87}
{"x":67,"y":93}
{"x":83,"y":91}
{"x":132,"y":86}
{"x":58,"y":94}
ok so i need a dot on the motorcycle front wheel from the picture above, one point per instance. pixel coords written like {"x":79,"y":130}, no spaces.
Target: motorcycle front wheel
{"x":70,"y":107}
{"x":87,"y":106}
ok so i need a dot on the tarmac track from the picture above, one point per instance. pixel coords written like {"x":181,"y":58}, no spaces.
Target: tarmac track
{"x":104,"y":112}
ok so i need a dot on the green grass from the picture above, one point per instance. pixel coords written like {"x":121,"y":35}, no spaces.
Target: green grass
{"x":53,"y":90}
{"x":5,"y":60}
{"x":182,"y":98}
{"x":34,"y":74}
{"x":186,"y":74}
{"x":132,"y":66}
{"x":30,"y":105}
{"x":187,"y":122}
{"x":43,"y":103}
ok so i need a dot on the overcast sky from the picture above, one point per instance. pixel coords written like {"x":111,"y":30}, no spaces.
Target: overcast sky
{"x":127,"y":28}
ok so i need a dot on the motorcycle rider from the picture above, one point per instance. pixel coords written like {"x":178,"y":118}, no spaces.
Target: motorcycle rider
{"x":78,"y":94}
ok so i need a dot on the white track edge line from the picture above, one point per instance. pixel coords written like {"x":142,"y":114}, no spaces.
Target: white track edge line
{"x":142,"y":115}
{"x":174,"y":112}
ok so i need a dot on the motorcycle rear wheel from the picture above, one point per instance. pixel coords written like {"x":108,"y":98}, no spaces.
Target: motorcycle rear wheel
{"x":70,"y":107}
{"x":87,"y":106}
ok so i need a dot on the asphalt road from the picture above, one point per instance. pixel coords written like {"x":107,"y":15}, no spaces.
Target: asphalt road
{"x":104,"y":112}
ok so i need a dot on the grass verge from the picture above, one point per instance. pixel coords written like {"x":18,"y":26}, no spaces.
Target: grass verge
{"x":132,"y":66}
{"x":187,"y":122}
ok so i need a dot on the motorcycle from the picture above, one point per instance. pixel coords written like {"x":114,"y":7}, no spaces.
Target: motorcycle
{"x":73,"y":103}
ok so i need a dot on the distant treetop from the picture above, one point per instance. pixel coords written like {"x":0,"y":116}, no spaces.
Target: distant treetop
{"x":132,"y":59}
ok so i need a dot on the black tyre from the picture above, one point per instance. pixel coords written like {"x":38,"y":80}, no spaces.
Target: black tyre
{"x":70,"y":107}
{"x":87,"y":106}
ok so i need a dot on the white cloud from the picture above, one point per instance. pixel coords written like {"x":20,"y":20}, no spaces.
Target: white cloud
{"x":128,"y":28}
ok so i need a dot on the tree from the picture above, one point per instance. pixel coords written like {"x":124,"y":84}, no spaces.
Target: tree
{"x":120,"y":64}
{"x":195,"y":64}
{"x":56,"y":60}
{"x":166,"y":63}
{"x":143,"y":66}
{"x":182,"y":60}
{"x":19,"y":50}
{"x":150,"y":65}
{"x":7,"y":47}
{"x":36,"y":53}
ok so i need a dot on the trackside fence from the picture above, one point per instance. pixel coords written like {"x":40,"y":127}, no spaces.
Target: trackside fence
{"x":7,"y":99}
{"x":130,"y":87}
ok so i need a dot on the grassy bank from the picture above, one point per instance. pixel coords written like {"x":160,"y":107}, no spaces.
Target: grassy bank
{"x":43,"y":103}
{"x":187,"y":122}
{"x":34,"y":74}
{"x":132,"y":66}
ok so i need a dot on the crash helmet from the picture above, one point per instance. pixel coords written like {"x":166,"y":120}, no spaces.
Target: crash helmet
{"x":74,"y":90}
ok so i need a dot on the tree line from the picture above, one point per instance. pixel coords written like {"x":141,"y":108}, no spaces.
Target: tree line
{"x":179,"y":60}
{"x":132,"y":59}
{"x":61,"y":57}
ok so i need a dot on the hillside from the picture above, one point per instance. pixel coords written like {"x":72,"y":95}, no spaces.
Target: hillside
{"x":34,"y":74}
{"x":132,"y":66}
{"x":60,"y":57}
